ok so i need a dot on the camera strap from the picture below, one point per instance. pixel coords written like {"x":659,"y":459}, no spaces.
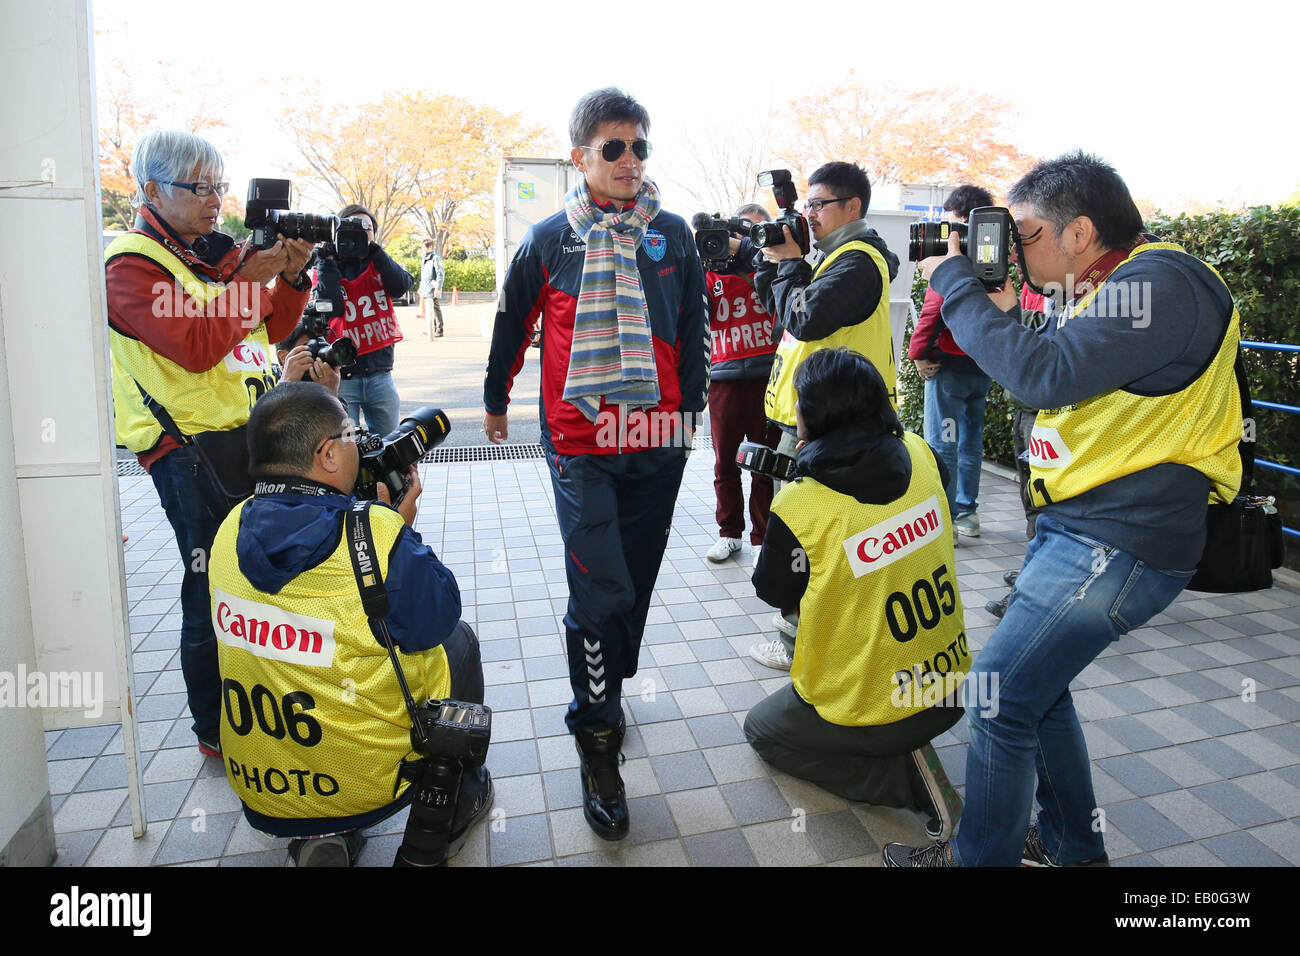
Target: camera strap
{"x":164,"y":417}
{"x":374,"y":595}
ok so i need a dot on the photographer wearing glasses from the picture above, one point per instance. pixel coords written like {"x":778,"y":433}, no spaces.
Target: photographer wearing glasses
{"x":861,"y":544}
{"x":624,"y":373}
{"x":192,"y":315}
{"x":370,"y":284}
{"x":842,"y":301}
{"x":1139,"y":428}
{"x":316,"y":732}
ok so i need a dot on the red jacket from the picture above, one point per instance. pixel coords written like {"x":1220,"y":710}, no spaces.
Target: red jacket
{"x":195,"y":341}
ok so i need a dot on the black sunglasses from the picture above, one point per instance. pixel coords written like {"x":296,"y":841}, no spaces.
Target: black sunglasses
{"x":612,"y":149}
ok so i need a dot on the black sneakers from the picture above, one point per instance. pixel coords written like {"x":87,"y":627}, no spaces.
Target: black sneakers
{"x":998,"y":608}
{"x":1035,"y":854}
{"x":604,"y":801}
{"x":210,"y":744}
{"x":342,"y":849}
{"x":902,"y":855}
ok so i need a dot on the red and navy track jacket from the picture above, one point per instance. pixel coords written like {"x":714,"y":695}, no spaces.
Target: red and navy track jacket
{"x":543,"y":283}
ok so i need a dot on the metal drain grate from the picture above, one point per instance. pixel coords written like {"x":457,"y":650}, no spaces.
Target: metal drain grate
{"x":440,"y":456}
{"x":445,"y":456}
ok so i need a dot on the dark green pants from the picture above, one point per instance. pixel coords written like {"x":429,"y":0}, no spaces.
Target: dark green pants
{"x":868,"y":764}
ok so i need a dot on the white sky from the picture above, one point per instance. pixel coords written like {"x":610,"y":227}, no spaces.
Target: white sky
{"x":1191,"y":100}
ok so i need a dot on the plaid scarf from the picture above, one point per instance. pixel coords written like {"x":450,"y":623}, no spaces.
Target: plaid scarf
{"x":613,"y":351}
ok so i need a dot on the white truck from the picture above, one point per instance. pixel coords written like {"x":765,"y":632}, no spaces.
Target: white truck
{"x":527,"y":191}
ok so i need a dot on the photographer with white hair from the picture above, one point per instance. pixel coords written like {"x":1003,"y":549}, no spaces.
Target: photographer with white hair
{"x":192,"y":315}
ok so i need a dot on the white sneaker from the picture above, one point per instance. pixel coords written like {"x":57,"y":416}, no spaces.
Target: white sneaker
{"x":757,"y":552}
{"x":968,"y":524}
{"x":786,"y":626}
{"x":772,"y":654}
{"x":723,"y":549}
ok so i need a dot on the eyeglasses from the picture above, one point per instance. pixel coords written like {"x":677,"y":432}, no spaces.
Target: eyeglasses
{"x":348,"y":434}
{"x":1026,"y":240}
{"x":815,"y":205}
{"x":203,"y":190}
{"x":612,"y":149}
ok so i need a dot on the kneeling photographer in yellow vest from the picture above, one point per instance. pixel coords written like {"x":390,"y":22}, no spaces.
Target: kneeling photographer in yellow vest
{"x":861,"y":543}
{"x":314,"y":594}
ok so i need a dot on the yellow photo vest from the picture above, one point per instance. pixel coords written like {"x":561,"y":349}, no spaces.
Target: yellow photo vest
{"x":882,"y":616}
{"x":1079,"y":447}
{"x":213,"y":401}
{"x":870,"y":337}
{"x":313,"y":720}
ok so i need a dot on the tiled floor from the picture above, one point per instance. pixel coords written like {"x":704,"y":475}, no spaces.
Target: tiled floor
{"x":1188,"y":768}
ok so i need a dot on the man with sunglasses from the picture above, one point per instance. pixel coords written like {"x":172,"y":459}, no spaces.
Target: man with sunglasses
{"x":842,"y":301}
{"x":192,"y":315}
{"x":316,"y":732}
{"x":625,"y":352}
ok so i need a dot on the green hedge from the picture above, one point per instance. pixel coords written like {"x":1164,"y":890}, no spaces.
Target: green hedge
{"x":1258,"y":254}
{"x":468,"y":275}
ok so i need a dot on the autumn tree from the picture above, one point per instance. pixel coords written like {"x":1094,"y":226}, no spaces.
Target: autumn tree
{"x":719,"y":163}
{"x":420,"y":156}
{"x":945,"y":135}
{"x":462,"y":144}
{"x":129,"y":105}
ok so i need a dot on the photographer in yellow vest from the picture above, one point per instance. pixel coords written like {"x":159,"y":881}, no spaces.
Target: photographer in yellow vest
{"x":861,"y":544}
{"x":191,"y":315}
{"x":842,"y":300}
{"x":315,"y":729}
{"x":1137,"y":432}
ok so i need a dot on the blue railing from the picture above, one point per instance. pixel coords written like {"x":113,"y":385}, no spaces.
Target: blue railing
{"x":1277,"y":407}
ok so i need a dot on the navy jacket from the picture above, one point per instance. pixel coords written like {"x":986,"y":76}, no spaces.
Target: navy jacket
{"x":543,"y":283}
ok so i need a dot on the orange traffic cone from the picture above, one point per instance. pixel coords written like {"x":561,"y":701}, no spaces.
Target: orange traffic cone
{"x":455,"y":296}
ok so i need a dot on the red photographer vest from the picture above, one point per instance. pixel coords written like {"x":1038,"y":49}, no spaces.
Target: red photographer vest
{"x":368,"y":318}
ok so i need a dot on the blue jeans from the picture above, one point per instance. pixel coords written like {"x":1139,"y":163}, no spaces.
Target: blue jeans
{"x":376,"y":395}
{"x":1075,"y":595}
{"x":954,"y":428}
{"x":195,"y":512}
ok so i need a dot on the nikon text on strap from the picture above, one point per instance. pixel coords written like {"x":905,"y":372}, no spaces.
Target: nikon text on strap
{"x":374,"y":595}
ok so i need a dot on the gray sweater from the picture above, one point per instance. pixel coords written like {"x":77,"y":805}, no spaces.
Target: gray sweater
{"x":1158,"y":342}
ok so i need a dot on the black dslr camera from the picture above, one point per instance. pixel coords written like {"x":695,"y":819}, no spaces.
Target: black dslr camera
{"x":713,"y":236}
{"x":386,"y":459}
{"x":336,"y":352}
{"x":763,"y":234}
{"x":453,"y":737}
{"x":752,"y":456}
{"x":265,"y":213}
{"x":987,"y":241}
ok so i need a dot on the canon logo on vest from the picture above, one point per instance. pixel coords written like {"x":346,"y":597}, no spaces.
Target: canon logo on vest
{"x":896,"y":537}
{"x":1047,"y":449}
{"x":273,"y":633}
{"x":246,"y":357}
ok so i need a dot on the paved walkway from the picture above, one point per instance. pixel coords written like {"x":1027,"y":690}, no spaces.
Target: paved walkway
{"x":1188,"y":767}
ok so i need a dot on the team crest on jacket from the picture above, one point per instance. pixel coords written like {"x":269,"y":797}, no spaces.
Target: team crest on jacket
{"x":655,"y":245}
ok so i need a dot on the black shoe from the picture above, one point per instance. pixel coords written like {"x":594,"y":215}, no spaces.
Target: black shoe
{"x":604,"y":801}
{"x":1035,"y":854}
{"x":342,"y":849}
{"x":1009,"y":579}
{"x":902,"y":855}
{"x":998,"y":608}
{"x":210,"y":743}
